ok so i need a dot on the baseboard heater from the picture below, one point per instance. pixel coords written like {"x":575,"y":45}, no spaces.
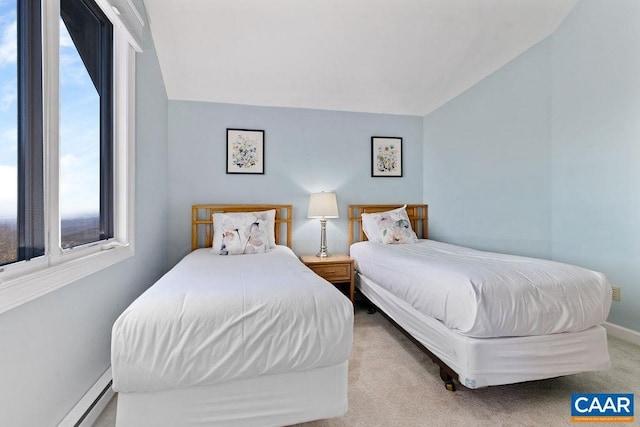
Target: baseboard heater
{"x":87,"y":410}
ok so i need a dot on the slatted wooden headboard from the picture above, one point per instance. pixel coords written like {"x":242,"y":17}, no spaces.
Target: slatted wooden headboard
{"x":418,"y":216}
{"x":202,"y":222}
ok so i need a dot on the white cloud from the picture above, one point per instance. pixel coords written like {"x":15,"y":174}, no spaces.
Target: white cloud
{"x":9,"y":138}
{"x":72,"y":70}
{"x":8,"y":155}
{"x":8,"y":42}
{"x":8,"y":94}
{"x":79,"y":185}
{"x":65,"y":37}
{"x":8,"y":191}
{"x":73,"y":73}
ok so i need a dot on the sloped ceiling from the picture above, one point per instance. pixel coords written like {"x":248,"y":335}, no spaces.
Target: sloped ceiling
{"x":381,"y":56}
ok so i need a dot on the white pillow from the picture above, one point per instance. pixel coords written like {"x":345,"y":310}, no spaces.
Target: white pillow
{"x":271,"y":226}
{"x":391,"y":227}
{"x":243,"y":232}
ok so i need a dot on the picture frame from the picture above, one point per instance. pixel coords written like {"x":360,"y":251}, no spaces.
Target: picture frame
{"x":245,"y":151}
{"x":386,"y":156}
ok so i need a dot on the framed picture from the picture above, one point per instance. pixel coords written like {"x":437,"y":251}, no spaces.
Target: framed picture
{"x":386,"y":156}
{"x":245,"y":151}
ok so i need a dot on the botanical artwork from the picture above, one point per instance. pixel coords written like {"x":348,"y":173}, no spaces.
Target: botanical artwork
{"x":245,"y":151}
{"x":386,"y":156}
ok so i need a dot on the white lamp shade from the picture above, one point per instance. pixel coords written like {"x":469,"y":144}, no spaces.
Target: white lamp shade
{"x":323,"y":205}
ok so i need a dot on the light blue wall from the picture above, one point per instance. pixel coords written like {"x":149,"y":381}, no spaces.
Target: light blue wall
{"x":487,"y":161}
{"x":542,"y":157}
{"x":305,"y":151}
{"x":53,"y":349}
{"x":596,"y":146}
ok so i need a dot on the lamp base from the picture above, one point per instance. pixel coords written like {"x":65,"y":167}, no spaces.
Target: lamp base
{"x":323,"y":253}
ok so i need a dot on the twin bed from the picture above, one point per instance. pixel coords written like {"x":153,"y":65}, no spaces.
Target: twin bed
{"x":485,"y":318}
{"x":252,"y":339}
{"x":259,"y":339}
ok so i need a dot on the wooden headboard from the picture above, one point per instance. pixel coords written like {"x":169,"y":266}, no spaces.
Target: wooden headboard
{"x":202,"y":222}
{"x":418,"y":216}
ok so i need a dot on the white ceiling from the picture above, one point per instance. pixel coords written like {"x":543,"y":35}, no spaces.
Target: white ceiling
{"x":382,"y":56}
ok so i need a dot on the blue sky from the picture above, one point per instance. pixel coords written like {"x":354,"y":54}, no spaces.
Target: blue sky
{"x":7,"y":108}
{"x":79,"y":125}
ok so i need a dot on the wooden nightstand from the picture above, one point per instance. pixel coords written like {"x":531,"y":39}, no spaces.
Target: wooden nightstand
{"x":335,"y":269}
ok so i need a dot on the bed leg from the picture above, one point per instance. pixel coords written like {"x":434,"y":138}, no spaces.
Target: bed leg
{"x":449,"y":383}
{"x":371,"y":307}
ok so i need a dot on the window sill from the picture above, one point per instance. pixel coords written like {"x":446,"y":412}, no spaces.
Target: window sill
{"x":20,"y":290}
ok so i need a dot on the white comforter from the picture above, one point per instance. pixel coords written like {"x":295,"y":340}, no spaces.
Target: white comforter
{"x":216,"y":318}
{"x":482,"y":294}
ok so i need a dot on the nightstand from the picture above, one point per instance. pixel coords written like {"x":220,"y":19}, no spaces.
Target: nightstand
{"x":335,"y":269}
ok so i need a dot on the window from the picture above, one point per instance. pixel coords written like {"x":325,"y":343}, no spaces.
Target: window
{"x":21,"y":38}
{"x":66,"y":143}
{"x":86,"y":166}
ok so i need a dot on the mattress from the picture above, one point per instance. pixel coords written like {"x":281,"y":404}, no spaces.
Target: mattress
{"x":216,"y":318}
{"x":486,"y":295}
{"x":482,"y":362}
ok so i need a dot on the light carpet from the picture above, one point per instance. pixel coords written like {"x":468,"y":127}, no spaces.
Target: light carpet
{"x":392,"y":383}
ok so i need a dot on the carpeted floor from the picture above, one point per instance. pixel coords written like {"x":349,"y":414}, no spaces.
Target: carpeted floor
{"x":392,"y":383}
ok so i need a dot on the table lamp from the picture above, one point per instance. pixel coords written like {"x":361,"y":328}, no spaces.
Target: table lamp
{"x":323,"y":205}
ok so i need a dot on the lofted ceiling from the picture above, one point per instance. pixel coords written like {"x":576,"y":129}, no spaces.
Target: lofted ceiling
{"x":381,"y":56}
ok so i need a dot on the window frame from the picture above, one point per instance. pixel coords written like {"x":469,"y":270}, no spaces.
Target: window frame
{"x":24,"y":281}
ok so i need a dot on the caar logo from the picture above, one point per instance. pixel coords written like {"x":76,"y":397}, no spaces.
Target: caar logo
{"x":609,"y":408}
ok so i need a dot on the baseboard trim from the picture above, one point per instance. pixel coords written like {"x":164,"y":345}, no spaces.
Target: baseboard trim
{"x":623,"y":333}
{"x":87,"y":410}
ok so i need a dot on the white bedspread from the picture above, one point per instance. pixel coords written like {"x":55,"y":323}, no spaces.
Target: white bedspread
{"x":482,"y":294}
{"x":216,"y":318}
